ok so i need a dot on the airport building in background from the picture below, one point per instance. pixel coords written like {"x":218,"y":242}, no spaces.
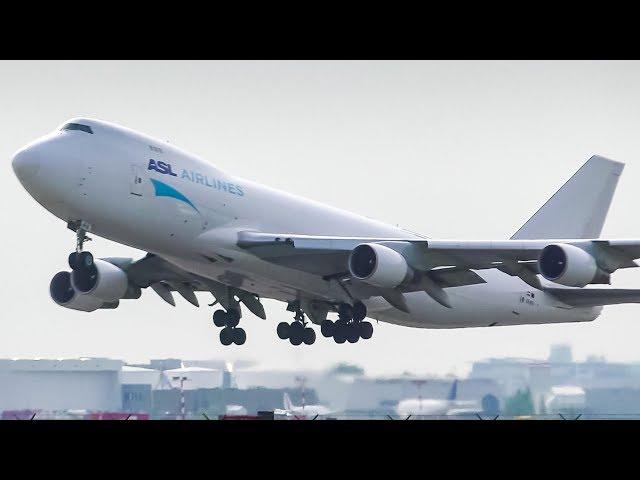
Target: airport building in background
{"x":102,"y":387}
{"x":65,"y":384}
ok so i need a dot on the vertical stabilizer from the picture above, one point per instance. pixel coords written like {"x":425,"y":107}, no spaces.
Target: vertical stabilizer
{"x":287,"y":402}
{"x":579,"y":208}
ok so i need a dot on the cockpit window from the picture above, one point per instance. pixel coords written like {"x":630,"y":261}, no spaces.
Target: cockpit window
{"x":77,"y":126}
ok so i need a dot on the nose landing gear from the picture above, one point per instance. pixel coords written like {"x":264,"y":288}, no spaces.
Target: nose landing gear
{"x":80,"y":260}
{"x":350,"y":326}
{"x":297,"y":332}
{"x":230,"y":332}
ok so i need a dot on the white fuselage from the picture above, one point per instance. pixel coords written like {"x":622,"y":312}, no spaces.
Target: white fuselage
{"x":107,"y":179}
{"x":307,"y":411}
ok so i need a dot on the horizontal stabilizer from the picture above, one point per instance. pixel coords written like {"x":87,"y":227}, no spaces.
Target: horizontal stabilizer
{"x":594,"y":297}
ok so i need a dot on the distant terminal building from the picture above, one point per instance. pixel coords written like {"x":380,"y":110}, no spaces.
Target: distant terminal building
{"x":559,"y":369}
{"x":137,"y":398}
{"x":138,"y":384}
{"x":63,"y":384}
{"x":163,"y":363}
{"x":560,"y":384}
{"x":130,"y":375}
{"x":218,"y":401}
{"x":195,"y":377}
{"x":614,"y":402}
{"x":511,"y":374}
{"x":560,"y":353}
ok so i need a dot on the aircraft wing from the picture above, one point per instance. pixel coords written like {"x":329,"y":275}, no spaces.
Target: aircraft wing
{"x":328,"y":255}
{"x":164,"y":278}
{"x":447,"y":263}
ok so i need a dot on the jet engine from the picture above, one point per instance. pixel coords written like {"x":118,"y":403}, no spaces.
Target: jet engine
{"x":568,"y":265}
{"x":88,"y":287}
{"x":101,"y":280}
{"x":63,"y":293}
{"x":378,"y":265}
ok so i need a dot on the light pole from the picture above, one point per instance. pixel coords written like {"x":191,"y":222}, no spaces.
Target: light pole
{"x":302,"y":381}
{"x":183,"y":410}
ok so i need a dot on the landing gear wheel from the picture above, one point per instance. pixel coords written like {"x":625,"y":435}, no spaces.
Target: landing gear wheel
{"x":353,"y":335}
{"x":232,"y":318}
{"x":283,"y":330}
{"x":345,"y":311}
{"x":359,"y":311}
{"x":73,"y":259}
{"x":296,"y":333}
{"x":239,"y":336}
{"x":226,"y":336}
{"x":327,"y":328}
{"x":366,"y":330}
{"x":84,"y":260}
{"x":219,"y":318}
{"x":309,"y":336}
{"x":340,"y":332}
{"x":295,"y":339}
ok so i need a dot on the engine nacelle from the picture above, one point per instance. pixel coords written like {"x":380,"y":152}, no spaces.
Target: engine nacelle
{"x":378,"y":265}
{"x":568,"y":265}
{"x":63,"y":293}
{"x":101,"y":280}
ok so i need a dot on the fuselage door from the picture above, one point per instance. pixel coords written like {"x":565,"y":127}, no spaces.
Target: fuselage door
{"x":136,"y":180}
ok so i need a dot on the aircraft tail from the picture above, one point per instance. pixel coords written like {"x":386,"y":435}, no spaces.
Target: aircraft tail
{"x":453,"y":393}
{"x":579,"y":208}
{"x":288,"y":405}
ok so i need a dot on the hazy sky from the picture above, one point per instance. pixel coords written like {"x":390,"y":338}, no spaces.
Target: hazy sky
{"x":448,"y":149}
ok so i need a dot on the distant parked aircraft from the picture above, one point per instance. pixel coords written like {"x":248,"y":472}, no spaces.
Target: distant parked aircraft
{"x":438,"y":406}
{"x":301,"y":411}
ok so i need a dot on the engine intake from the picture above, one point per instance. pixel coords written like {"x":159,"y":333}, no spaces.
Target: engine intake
{"x":63,"y":293}
{"x":568,"y":265}
{"x":101,"y":280}
{"x":378,"y":265}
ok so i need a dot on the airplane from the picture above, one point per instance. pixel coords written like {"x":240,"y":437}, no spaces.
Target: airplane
{"x":438,"y":406}
{"x":206,"y":230}
{"x":301,"y":411}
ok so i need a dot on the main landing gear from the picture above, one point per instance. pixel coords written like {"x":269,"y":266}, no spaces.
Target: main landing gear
{"x":350,"y":326}
{"x":297,"y":332}
{"x":231,"y":333}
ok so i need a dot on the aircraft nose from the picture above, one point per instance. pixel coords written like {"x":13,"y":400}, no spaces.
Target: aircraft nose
{"x":26,"y":163}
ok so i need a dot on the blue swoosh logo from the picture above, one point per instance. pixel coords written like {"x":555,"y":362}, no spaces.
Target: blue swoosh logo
{"x":164,"y":190}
